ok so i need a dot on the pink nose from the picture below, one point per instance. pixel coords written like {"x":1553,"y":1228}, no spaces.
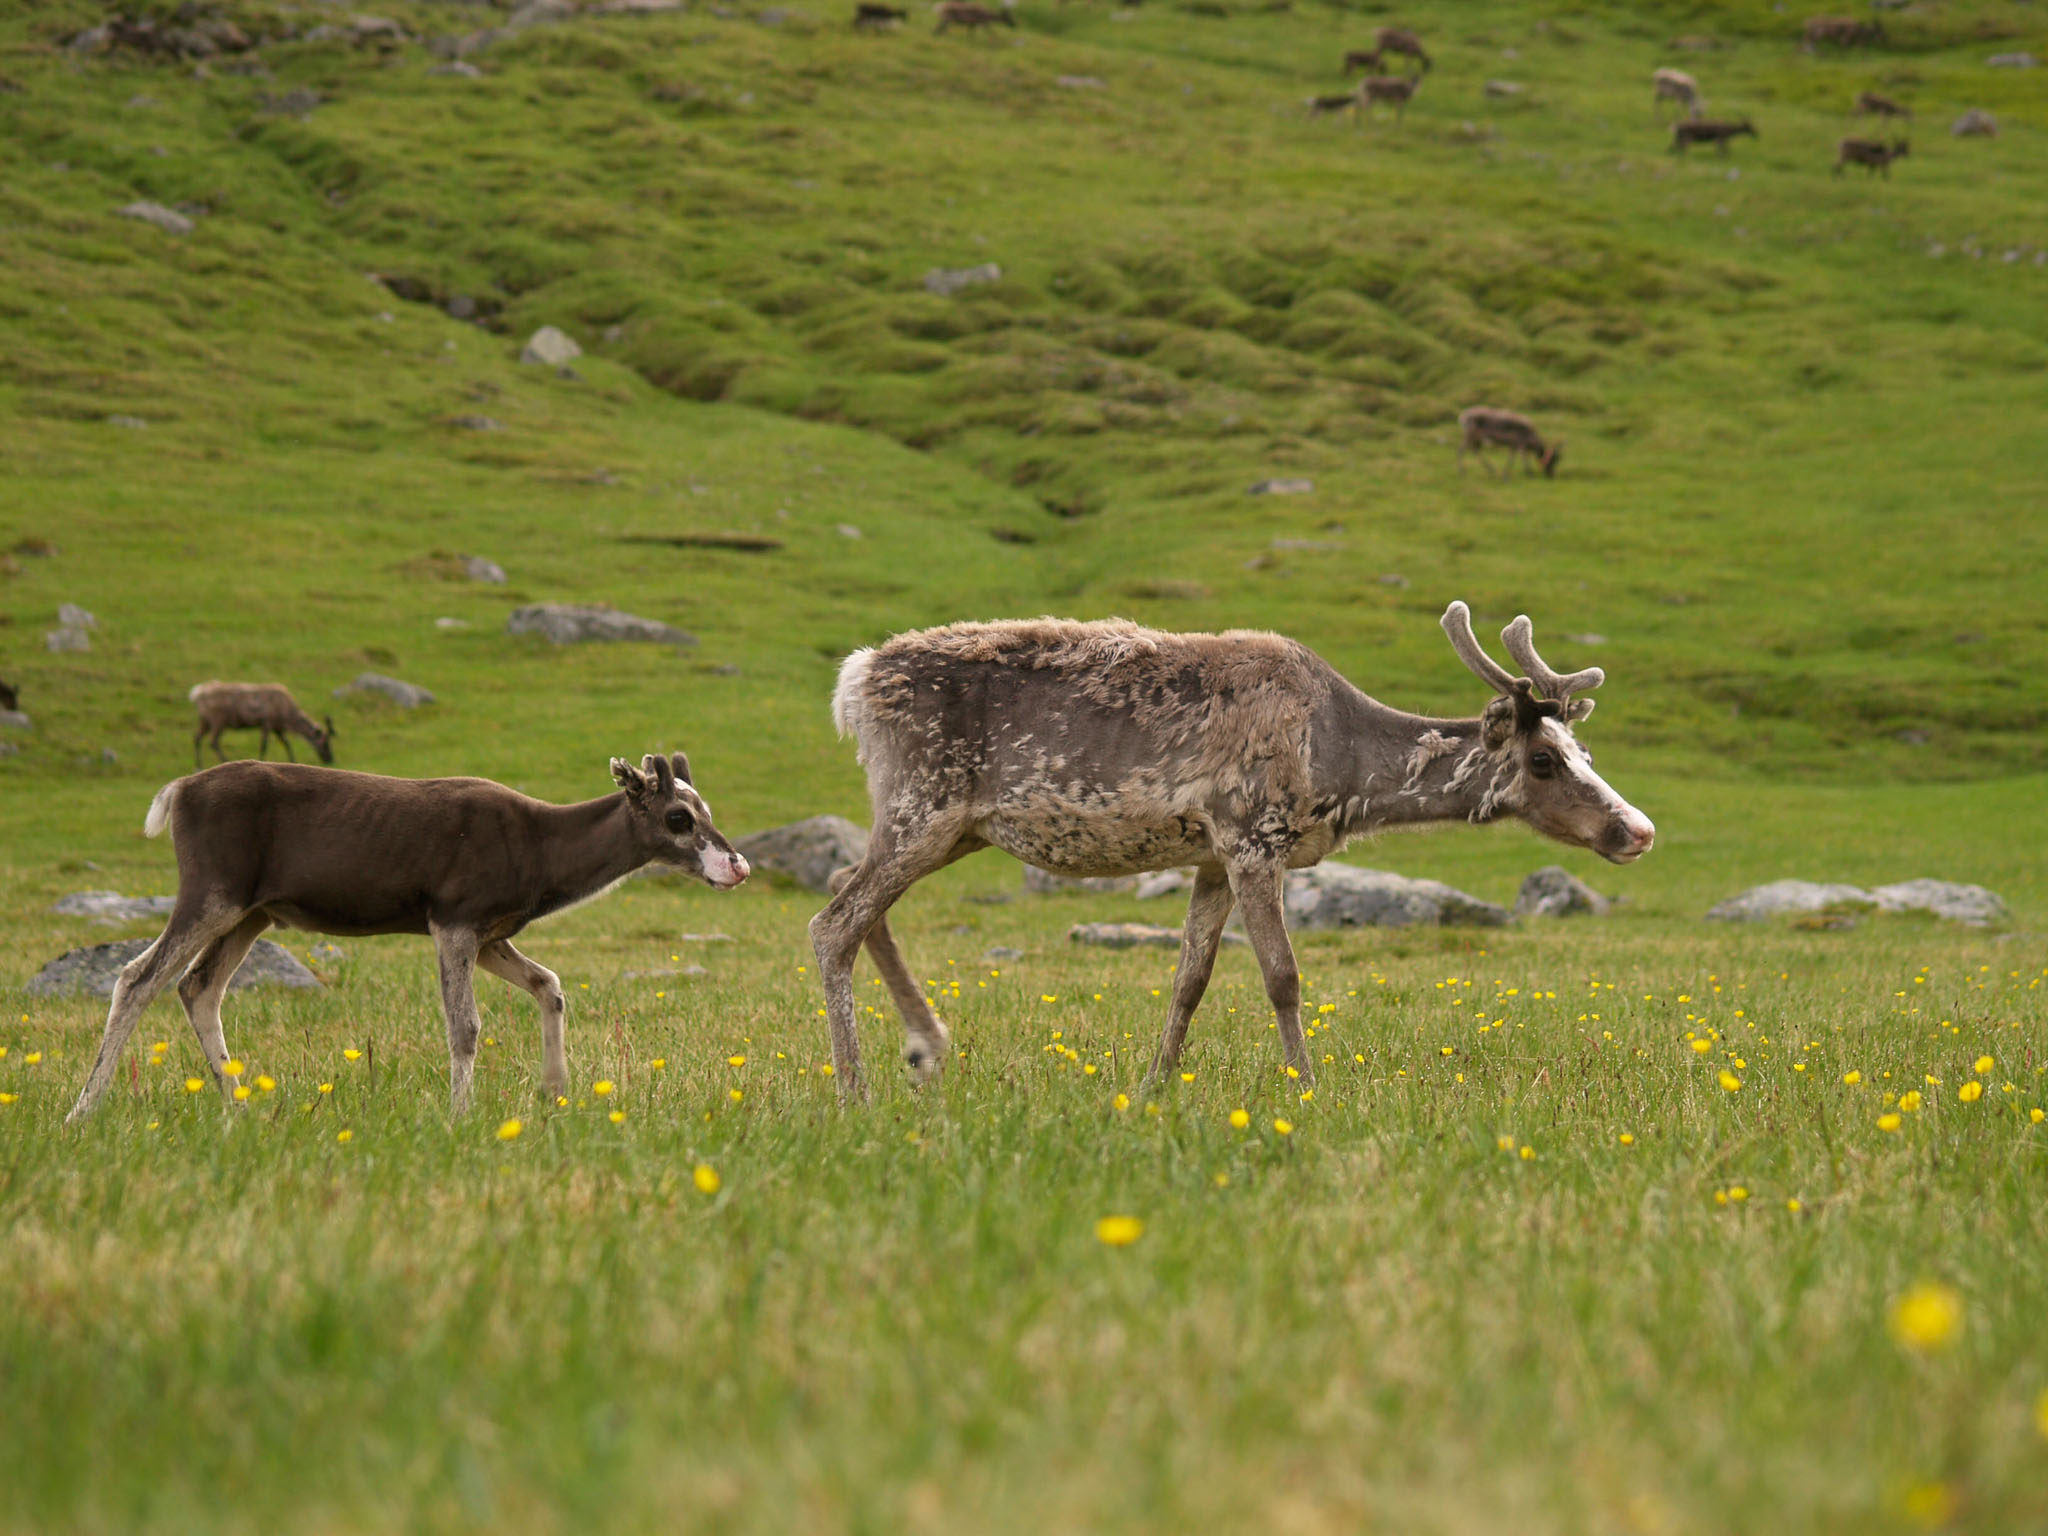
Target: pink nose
{"x":740,"y":868}
{"x":1642,"y":833}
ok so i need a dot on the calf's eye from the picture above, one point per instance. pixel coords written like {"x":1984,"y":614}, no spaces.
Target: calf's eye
{"x":679,"y":820}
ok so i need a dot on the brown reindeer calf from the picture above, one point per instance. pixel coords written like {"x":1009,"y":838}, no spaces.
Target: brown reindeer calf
{"x":1329,"y":106}
{"x":9,"y":698}
{"x":972,"y":18}
{"x":869,"y":17}
{"x":1480,"y":425}
{"x":1842,"y":32}
{"x":1395,"y":91}
{"x":264,"y":707}
{"x":1676,"y":85}
{"x":1685,"y":134}
{"x":1869,"y":103}
{"x":466,"y":861}
{"x":1386,"y":40}
{"x":1871,"y":154}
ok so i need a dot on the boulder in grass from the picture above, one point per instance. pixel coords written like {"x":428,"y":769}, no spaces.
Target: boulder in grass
{"x":550,"y":346}
{"x":1970,"y":904}
{"x":1554,"y":891}
{"x":1787,"y":898}
{"x":807,"y":851}
{"x":1134,"y":936}
{"x":1345,"y":896}
{"x":169,"y":220}
{"x":404,"y":695}
{"x":1045,"y":883}
{"x":947,"y":281}
{"x":112,"y":908}
{"x":94,"y":970}
{"x":573,"y":623}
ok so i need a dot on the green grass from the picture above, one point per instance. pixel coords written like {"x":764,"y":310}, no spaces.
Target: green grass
{"x":1800,"y":501}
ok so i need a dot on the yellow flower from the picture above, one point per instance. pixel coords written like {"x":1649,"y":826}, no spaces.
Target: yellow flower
{"x":266,"y":1082}
{"x":1929,"y":1505}
{"x":1852,"y":1078}
{"x":658,"y":1063}
{"x":1119,"y":1231}
{"x":601,"y":1088}
{"x":705,"y":1177}
{"x":1122,"y":1101}
{"x":561,"y":1101}
{"x":735,"y":1061}
{"x":1927,"y":1317}
{"x":1528,"y":1154}
{"x":1239,"y":1119}
{"x":351,"y":1054}
{"x":1294,"y":1072}
{"x":344,"y":1135}
{"x":327,"y":1087}
{"x":510,"y":1130}
{"x":1909,"y":1102}
{"x":10,"y":1098}
{"x":1284,"y":1127}
{"x":734,"y":1094}
{"x":2041,"y":1413}
{"x":1794,"y":1206}
{"x":1627,"y":1140}
{"x":193,"y":1085}
{"x":231,"y":1068}
{"x":1970,"y":1092}
{"x":2036,"y":1116}
{"x":1187,"y":1077}
{"x":1738,"y":1193}
{"x":1089,"y":1069}
{"x":1446,"y":1050}
{"x":1223,"y":1182}
{"x":618,"y":1117}
{"x":1730,"y":1081}
{"x":1982,"y":1065}
{"x":1703,"y":1046}
{"x":33,"y":1058}
{"x":241,"y":1092}
{"x":1888,"y":1122}
{"x":1505,"y":1143}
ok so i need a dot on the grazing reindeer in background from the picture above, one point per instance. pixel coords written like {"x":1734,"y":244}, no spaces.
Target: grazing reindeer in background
{"x":1685,"y":134}
{"x":1107,"y":749}
{"x":1676,"y":85}
{"x":264,"y":707}
{"x":1330,"y":106}
{"x":869,"y":17}
{"x":9,"y":698}
{"x":972,"y":18}
{"x":1871,"y":154}
{"x":1841,"y":32}
{"x":1386,"y":40}
{"x":1392,"y":90}
{"x":466,"y":861}
{"x":1870,"y":103}
{"x":1480,"y":425}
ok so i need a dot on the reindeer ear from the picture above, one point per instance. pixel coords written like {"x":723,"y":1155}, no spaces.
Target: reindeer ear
{"x":1578,"y":709}
{"x":1497,"y":722}
{"x":658,"y":770}
{"x":628,"y":778}
{"x":681,"y":765}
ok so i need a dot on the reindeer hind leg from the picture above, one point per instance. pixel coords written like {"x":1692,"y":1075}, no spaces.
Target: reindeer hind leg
{"x":458,"y":955}
{"x":203,"y":986}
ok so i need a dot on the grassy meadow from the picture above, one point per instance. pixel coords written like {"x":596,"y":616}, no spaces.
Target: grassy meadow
{"x":1524,"y":1261}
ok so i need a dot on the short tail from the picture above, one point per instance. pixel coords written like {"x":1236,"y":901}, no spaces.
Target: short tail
{"x":847,"y":703}
{"x":159,"y":818}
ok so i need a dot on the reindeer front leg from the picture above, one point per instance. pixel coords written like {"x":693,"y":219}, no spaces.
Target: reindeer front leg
{"x":1208,"y":910}
{"x":1257,"y":889}
{"x":458,"y":1002}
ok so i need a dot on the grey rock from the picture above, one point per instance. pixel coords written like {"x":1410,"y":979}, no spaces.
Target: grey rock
{"x":91,"y":40}
{"x":169,"y":220}
{"x":1284,"y":487}
{"x":1045,"y":883}
{"x":71,"y":616}
{"x":572,"y":623}
{"x":404,"y":695}
{"x":296,"y":102}
{"x":1503,"y":88}
{"x":1079,"y":83}
{"x":1975,"y":124}
{"x":1164,"y":882}
{"x":448,"y":623}
{"x":2012,"y":61}
{"x":1554,"y":891}
{"x":635,"y":7}
{"x":479,"y":423}
{"x":16,"y":719}
{"x":1971,"y":904}
{"x":370,"y":29}
{"x":109,"y":756}
{"x":9,"y":748}
{"x":1002,"y":952}
{"x":550,"y":346}
{"x":1344,"y":896}
{"x":848,"y":531}
{"x":328,"y":954}
{"x":1783,"y":898}
{"x":463,"y":69}
{"x":67,"y":639}
{"x":94,"y":970}
{"x":1134,"y":936}
{"x":477,"y":568}
{"x":132,"y":423}
{"x":808,"y":851}
{"x":947,"y":281}
{"x":112,"y":908}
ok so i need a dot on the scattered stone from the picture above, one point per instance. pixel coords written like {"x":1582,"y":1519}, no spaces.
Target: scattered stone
{"x":1782,"y":898}
{"x":1345,"y":896}
{"x":447,"y":623}
{"x":848,"y":531}
{"x":67,"y":639}
{"x":1394,"y":580}
{"x":477,"y":423}
{"x":15,"y":719}
{"x":947,"y":281}
{"x":1975,"y":124}
{"x":808,"y":851}
{"x":467,"y":71}
{"x":169,"y":220}
{"x":296,"y":102}
{"x":1002,"y":952}
{"x":1502,"y":88}
{"x":1969,"y":904}
{"x":112,"y":908}
{"x":376,"y":29}
{"x":635,"y":7}
{"x":551,"y":347}
{"x":1079,"y":83}
{"x":1045,"y":883}
{"x":1310,"y":546}
{"x":109,"y":756}
{"x":404,"y":695}
{"x":572,"y":623}
{"x":1164,"y":882}
{"x":779,"y":15}
{"x":328,"y":954}
{"x":1134,"y":935}
{"x":477,"y":568}
{"x":9,"y":748}
{"x":71,"y":616}
{"x":2012,"y":61}
{"x":1554,"y":891}
{"x":94,"y":970}
{"x":1282,"y":488}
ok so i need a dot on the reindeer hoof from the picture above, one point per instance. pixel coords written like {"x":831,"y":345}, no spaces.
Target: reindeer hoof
{"x":925,"y":1055}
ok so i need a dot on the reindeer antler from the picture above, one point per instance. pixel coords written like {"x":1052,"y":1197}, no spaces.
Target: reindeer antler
{"x":1457,"y":622}
{"x":1520,"y":639}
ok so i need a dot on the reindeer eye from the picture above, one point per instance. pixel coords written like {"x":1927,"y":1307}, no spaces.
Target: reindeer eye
{"x":679,"y":820}
{"x":1542,"y":764}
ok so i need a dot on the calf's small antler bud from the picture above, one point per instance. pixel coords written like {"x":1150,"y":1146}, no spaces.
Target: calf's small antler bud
{"x":1457,"y":623}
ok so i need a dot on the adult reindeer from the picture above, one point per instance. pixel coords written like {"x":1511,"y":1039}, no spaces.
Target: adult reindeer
{"x":466,"y":861}
{"x":1107,"y":749}
{"x":265,"y":707}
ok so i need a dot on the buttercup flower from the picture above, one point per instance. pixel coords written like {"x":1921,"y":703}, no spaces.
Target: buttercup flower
{"x":1928,"y":1317}
{"x":1119,"y":1231}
